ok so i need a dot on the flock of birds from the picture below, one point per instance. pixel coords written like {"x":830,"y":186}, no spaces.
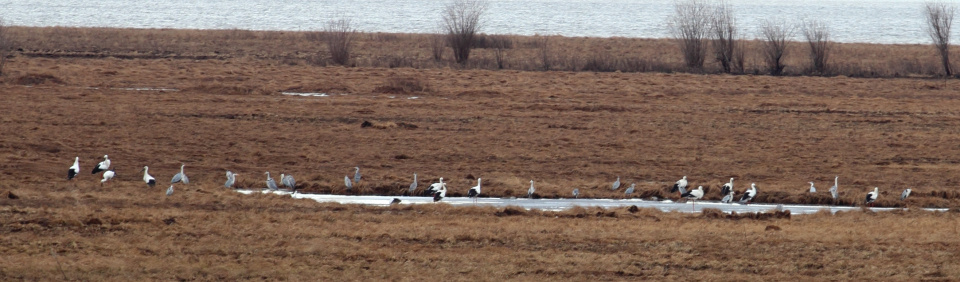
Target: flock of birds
{"x":438,"y":190}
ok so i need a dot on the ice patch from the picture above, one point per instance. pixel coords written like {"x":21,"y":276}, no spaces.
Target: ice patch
{"x":306,"y":94}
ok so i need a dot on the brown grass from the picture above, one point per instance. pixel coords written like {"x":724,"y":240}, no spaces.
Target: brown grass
{"x":418,"y":51}
{"x":564,"y":129}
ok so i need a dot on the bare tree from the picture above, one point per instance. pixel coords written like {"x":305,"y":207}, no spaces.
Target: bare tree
{"x":543,"y":48}
{"x":690,"y":25}
{"x":774,"y":35}
{"x":500,"y":45}
{"x":5,"y":45}
{"x":462,"y":22}
{"x":939,"y":19}
{"x":436,"y":46}
{"x":818,"y":36}
{"x":723,"y":31}
{"x":339,"y":36}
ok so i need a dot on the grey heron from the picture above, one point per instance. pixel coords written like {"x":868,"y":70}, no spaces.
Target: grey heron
{"x":728,"y":198}
{"x":180,"y":176}
{"x":812,"y":189}
{"x":231,"y":179}
{"x":288,"y":181}
{"x":531,"y":190}
{"x":74,"y":169}
{"x":170,"y":190}
{"x":270,"y":183}
{"x":413,"y":186}
{"x":102,"y":166}
{"x":616,"y":184}
{"x":356,"y":175}
{"x":905,"y":194}
{"x":630,"y":190}
{"x":346,"y":180}
{"x":833,"y":190}
{"x":576,"y":193}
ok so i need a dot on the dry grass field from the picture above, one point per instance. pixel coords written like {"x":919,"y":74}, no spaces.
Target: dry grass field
{"x":563,"y":129}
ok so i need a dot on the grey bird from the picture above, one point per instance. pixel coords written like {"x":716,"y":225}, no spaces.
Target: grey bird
{"x":288,"y":181}
{"x":531,"y":190}
{"x":413,"y":186}
{"x":180,"y":176}
{"x":231,"y":179}
{"x":346,"y":180}
{"x":270,"y":183}
{"x":616,"y":184}
{"x":356,"y":175}
{"x":576,"y":193}
{"x":170,"y":190}
{"x":905,"y":194}
{"x":630,"y":190}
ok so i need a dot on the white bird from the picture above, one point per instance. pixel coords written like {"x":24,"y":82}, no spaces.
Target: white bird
{"x":346,"y":180}
{"x":356,"y":175}
{"x":435,"y":187}
{"x":107,"y":175}
{"x":102,"y":166}
{"x":413,"y":186}
{"x":170,"y":190}
{"x":576,"y":192}
{"x":727,"y":187}
{"x":474,"y":191}
{"x":905,"y":194}
{"x":74,"y":169}
{"x":630,"y":190}
{"x":694,"y":195}
{"x":288,"y":181}
{"x":680,"y":186}
{"x":531,"y":190}
{"x":749,"y":194}
{"x":270,"y":183}
{"x":231,"y":179}
{"x":440,"y":193}
{"x":616,"y":184}
{"x":872,"y":196}
{"x":180,"y":177}
{"x":147,"y":178}
{"x":812,"y":189}
{"x":728,"y":198}
{"x":833,"y":190}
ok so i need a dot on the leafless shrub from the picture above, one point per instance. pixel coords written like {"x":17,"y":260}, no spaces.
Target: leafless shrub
{"x":543,"y":48}
{"x":500,"y":44}
{"x":493,"y":41}
{"x":436,"y":46}
{"x":774,"y":44}
{"x":939,"y":20}
{"x":818,"y":36}
{"x":339,"y":37}
{"x":5,"y":45}
{"x":723,"y":31}
{"x":690,"y":26}
{"x":462,"y":22}
{"x":403,"y":85}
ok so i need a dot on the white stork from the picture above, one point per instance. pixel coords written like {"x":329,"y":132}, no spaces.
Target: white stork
{"x":474,"y":191}
{"x":102,"y":166}
{"x":872,"y":196}
{"x":694,"y":195}
{"x":107,"y":175}
{"x":727,"y":187}
{"x":74,"y":169}
{"x":148,"y":178}
{"x":680,"y":186}
{"x":749,"y":194}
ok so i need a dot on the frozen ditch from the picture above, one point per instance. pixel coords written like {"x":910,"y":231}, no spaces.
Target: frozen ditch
{"x":562,"y":204}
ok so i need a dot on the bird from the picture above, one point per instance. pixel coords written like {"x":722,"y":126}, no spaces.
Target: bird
{"x":474,"y":191}
{"x":74,"y":169}
{"x":812,"y":189}
{"x":346,"y":180}
{"x":872,"y":196}
{"x":727,"y":187}
{"x":694,"y":195}
{"x":630,"y":190}
{"x":107,"y":175}
{"x":413,"y":186}
{"x":231,"y":179}
{"x":616,"y":184}
{"x":576,"y":193}
{"x":356,"y":175}
{"x":531,"y":190}
{"x":395,"y":201}
{"x":440,"y":193}
{"x":170,"y":190}
{"x":288,"y":181}
{"x":728,"y":198}
{"x":180,"y":176}
{"x":905,"y":194}
{"x":270,"y":183}
{"x":833,"y":190}
{"x":102,"y":166}
{"x":147,"y":178}
{"x":435,"y":187}
{"x":749,"y":194}
{"x":680,"y":186}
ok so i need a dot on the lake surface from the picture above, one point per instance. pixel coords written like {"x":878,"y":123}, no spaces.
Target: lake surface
{"x":876,"y":21}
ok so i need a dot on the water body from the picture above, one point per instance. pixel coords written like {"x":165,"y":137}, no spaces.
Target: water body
{"x":874,"y":21}
{"x":562,"y":204}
